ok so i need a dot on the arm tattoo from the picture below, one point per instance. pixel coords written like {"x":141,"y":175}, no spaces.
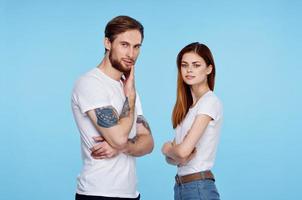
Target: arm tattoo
{"x":142,"y":120}
{"x":106,"y":116}
{"x":126,"y":109}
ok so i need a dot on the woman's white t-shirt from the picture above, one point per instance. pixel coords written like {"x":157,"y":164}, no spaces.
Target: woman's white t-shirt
{"x":210,"y":105}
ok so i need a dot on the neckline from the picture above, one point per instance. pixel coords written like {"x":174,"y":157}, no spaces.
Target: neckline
{"x":99,"y":71}
{"x":192,"y":107}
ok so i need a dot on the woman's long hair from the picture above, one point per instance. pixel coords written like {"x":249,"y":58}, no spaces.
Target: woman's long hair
{"x":184,"y":97}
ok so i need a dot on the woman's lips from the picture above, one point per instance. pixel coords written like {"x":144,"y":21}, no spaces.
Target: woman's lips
{"x":189,"y":77}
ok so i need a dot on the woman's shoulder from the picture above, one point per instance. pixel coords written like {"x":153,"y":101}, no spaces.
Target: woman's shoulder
{"x":210,"y":101}
{"x":210,"y":97}
{"x":211,"y":105}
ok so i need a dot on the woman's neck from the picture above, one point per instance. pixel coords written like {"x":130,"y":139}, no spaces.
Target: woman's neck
{"x":198,"y":91}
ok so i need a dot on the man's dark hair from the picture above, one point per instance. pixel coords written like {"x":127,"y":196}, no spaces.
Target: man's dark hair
{"x":121,"y":24}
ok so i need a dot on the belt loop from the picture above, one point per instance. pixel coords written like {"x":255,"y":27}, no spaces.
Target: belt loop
{"x":202,"y":175}
{"x":178,"y":181}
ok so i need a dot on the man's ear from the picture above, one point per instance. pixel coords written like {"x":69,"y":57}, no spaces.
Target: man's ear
{"x":107,"y":43}
{"x":209,"y":69}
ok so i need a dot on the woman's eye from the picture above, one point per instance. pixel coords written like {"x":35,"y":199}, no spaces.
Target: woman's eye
{"x":184,"y":66}
{"x":196,"y":65}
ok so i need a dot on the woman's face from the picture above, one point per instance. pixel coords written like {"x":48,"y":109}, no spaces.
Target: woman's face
{"x":194,"y":70}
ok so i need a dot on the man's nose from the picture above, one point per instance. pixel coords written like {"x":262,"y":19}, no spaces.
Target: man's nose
{"x":130,"y":52}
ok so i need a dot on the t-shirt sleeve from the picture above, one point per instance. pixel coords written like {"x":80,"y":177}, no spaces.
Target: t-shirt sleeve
{"x":90,"y":95}
{"x":210,"y":106}
{"x":138,"y":105}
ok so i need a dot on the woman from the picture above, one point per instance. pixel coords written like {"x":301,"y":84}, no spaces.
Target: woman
{"x":196,"y":118}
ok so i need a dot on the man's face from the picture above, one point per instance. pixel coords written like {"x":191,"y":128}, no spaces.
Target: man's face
{"x":124,"y":50}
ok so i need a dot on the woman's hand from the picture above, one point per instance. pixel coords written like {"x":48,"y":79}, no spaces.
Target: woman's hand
{"x":166,"y":147}
{"x":187,"y":159}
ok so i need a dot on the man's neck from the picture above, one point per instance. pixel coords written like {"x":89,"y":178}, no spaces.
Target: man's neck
{"x":106,"y":67}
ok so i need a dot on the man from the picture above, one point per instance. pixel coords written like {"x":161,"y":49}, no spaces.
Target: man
{"x":108,"y":114}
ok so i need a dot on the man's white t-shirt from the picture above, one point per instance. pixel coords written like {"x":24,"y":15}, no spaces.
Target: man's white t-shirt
{"x":206,"y":147}
{"x":114,"y":177}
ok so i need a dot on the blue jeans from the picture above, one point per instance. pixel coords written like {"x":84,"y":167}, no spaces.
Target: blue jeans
{"x":196,"y":190}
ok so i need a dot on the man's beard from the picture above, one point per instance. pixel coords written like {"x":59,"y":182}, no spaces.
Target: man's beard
{"x":118,"y":65}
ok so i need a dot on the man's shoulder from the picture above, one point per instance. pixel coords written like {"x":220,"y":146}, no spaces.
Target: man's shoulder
{"x":88,"y":81}
{"x":91,"y":74}
{"x":88,"y":78}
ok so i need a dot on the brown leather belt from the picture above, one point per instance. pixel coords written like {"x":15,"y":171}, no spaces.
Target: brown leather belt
{"x":194,"y":177}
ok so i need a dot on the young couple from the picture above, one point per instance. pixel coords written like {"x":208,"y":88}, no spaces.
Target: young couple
{"x":113,"y":130}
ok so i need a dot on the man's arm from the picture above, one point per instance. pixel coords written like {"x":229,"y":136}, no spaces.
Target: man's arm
{"x":142,"y":143}
{"x":102,"y":149}
{"x":115,"y":129}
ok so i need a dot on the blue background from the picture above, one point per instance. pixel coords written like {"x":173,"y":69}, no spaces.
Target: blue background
{"x":47,"y":45}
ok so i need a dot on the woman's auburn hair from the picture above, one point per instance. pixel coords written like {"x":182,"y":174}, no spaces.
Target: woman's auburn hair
{"x":184,"y":98}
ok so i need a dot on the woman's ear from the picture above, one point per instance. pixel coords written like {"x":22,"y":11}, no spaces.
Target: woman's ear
{"x":209,"y":69}
{"x":107,"y":44}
